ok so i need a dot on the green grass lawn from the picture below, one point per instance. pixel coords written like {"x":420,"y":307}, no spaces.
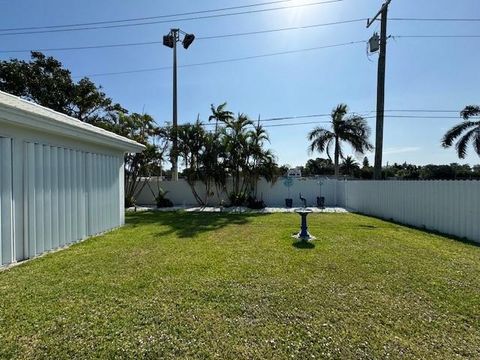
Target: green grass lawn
{"x":196,"y":285}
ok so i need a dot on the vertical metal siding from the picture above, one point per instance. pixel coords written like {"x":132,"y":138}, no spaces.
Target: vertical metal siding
{"x":88,"y":190}
{"x":47,"y":212}
{"x":55,"y":199}
{"x":62,"y":203}
{"x":6,"y":202}
{"x":69,"y":194}
{"x":81,"y":196}
{"x":39,"y":196}
{"x":30,"y":220}
{"x":68,"y":197}
{"x":74,"y":187}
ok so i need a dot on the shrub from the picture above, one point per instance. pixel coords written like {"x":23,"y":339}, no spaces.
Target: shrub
{"x":253,"y":203}
{"x":162,"y":201}
{"x":237,"y":199}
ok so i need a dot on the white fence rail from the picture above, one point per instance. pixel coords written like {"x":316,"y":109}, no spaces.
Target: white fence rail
{"x":450,"y":207}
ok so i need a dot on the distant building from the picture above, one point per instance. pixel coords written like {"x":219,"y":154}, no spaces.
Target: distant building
{"x":294,"y":173}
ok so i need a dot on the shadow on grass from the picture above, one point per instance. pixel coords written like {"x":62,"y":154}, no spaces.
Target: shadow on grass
{"x":303,"y":245}
{"x":424,"y":229}
{"x":189,"y":224}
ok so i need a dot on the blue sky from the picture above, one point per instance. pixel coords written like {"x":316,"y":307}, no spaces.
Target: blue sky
{"x":421,"y":73}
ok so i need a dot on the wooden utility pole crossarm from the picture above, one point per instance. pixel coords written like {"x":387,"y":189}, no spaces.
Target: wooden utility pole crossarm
{"x":372,"y":20}
{"x":383,"y":13}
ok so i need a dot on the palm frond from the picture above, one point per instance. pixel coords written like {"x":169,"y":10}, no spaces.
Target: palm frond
{"x":470,"y":111}
{"x":462,"y":144}
{"x":339,"y":112}
{"x":356,"y":132}
{"x":319,"y":138}
{"x":476,"y":142}
{"x":455,"y":132}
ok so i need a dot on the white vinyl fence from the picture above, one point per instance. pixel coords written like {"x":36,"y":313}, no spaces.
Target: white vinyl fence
{"x":274,"y":195}
{"x":450,"y":207}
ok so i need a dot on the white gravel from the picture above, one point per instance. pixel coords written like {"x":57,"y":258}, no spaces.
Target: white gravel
{"x":239,"y":209}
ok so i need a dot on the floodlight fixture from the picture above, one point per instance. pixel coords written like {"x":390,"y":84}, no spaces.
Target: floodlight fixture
{"x":188,"y":40}
{"x":168,"y":41}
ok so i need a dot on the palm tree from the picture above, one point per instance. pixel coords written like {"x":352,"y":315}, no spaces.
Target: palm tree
{"x":349,"y":165}
{"x":353,"y":130}
{"x":190,"y":148}
{"x":261,"y":161}
{"x":236,"y":137}
{"x":220,"y":114}
{"x":467,"y":131}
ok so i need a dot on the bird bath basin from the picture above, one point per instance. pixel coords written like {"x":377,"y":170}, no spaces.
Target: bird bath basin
{"x":303,"y":235}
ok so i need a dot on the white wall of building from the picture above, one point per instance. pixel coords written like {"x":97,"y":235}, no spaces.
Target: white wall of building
{"x":60,"y":180}
{"x":71,"y":194}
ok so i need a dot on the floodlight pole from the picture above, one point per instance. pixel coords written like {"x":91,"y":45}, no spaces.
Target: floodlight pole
{"x":174,"y":33}
{"x":171,"y":41}
{"x":383,"y":12}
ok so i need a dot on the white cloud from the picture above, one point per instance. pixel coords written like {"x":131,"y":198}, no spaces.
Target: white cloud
{"x":401,"y":150}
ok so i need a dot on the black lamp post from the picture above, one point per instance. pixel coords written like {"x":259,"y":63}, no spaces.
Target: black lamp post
{"x":171,"y":41}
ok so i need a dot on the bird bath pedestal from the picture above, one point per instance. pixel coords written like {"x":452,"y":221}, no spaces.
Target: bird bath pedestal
{"x":304,"y":235}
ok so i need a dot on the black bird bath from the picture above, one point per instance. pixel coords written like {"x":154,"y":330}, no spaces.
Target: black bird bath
{"x":303,"y":235}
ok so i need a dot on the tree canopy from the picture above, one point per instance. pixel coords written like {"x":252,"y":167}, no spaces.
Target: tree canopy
{"x":46,"y":82}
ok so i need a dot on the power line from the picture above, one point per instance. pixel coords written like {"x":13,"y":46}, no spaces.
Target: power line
{"x":434,"y":36}
{"x":198,"y":38}
{"x":280,"y":125}
{"x":371,"y":117}
{"x":225,"y":60}
{"x":209,"y":11}
{"x":297,"y":124}
{"x":144,"y":18}
{"x":437,"y":19}
{"x":167,"y":21}
{"x":295,"y":117}
{"x":328,"y":122}
{"x":211,"y":37}
{"x":420,"y":117}
{"x":365,"y":117}
{"x":426,"y":111}
{"x":282,"y":29}
{"x":83,"y":47}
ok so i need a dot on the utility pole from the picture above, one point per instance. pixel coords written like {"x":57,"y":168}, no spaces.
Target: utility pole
{"x":383,"y":13}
